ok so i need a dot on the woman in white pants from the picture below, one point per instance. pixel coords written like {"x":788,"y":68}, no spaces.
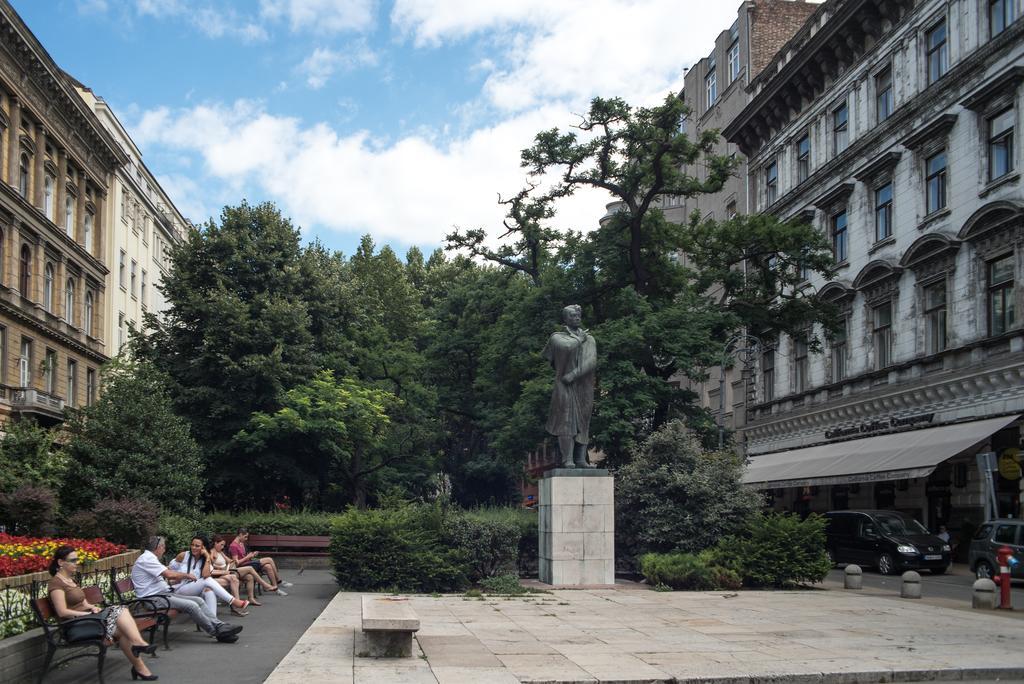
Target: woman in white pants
{"x":196,"y":562}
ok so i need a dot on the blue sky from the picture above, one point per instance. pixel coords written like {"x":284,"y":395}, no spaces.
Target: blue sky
{"x":400,"y":119}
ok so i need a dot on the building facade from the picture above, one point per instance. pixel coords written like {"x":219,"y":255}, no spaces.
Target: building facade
{"x":143,"y":224}
{"x":716,"y":91}
{"x":891,"y":126}
{"x":56,"y":160}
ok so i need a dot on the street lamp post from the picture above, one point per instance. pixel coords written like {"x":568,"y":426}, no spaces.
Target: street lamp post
{"x":741,"y":347}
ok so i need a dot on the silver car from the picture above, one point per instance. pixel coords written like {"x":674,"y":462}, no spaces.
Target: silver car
{"x":988,"y":539}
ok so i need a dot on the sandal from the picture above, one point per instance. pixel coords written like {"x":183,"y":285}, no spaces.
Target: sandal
{"x":253,"y":602}
{"x":239,"y":613}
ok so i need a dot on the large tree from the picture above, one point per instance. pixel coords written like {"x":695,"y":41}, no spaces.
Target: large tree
{"x":236,"y":336}
{"x":654,"y":319}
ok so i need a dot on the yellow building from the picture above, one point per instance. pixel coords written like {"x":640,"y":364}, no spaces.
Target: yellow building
{"x":56,"y":165}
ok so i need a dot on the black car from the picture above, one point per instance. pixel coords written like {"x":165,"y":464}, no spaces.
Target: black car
{"x":887,"y":540}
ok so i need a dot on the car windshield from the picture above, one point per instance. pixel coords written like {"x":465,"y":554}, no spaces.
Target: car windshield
{"x":898,"y":524}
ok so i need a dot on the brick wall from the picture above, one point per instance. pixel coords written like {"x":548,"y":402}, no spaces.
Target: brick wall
{"x":772,"y":23}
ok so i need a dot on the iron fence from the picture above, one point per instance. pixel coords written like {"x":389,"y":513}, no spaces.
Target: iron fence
{"x":16,"y":614}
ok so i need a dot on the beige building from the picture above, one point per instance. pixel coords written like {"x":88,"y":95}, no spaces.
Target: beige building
{"x":143,"y":224}
{"x":56,"y":160}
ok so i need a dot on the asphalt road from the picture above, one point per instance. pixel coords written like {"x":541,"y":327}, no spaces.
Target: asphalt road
{"x":955,"y":585}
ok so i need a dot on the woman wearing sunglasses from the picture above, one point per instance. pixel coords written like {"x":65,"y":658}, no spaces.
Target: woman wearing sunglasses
{"x":69,"y":602}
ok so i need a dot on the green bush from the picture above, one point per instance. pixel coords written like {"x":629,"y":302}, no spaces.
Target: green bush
{"x":396,"y":549}
{"x":777,"y":550}
{"x":303,"y":523}
{"x":687,"y":571}
{"x":178,"y":529}
{"x":674,"y":496}
{"x":27,"y":456}
{"x":525,"y":520}
{"x":490,"y":546}
{"x":506,"y":585}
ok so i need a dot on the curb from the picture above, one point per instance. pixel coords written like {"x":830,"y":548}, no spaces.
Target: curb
{"x":866,"y":677}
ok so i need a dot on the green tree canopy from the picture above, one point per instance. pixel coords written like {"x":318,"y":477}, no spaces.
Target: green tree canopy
{"x":131,"y":444}
{"x":328,"y":433}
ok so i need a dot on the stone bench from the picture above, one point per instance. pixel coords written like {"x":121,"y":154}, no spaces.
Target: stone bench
{"x":388,"y":623}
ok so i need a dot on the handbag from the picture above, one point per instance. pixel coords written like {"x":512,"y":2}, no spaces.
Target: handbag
{"x":85,"y":628}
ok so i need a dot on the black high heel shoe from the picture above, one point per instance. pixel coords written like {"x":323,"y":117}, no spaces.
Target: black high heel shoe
{"x":148,"y":649}
{"x":145,"y":678}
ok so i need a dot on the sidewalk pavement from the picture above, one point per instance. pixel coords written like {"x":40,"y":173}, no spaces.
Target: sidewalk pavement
{"x":269,"y":633}
{"x":623,"y":635}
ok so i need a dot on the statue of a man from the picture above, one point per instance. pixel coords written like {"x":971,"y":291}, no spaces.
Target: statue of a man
{"x":573,"y":354}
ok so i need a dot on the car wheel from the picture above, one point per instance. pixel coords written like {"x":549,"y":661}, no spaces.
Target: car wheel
{"x":886,"y":565}
{"x":983,"y":570}
{"x":940,"y":571}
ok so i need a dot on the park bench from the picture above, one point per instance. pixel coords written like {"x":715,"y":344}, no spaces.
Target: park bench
{"x":155,"y":607}
{"x":289,"y":545}
{"x":388,"y":623}
{"x":56,"y":638}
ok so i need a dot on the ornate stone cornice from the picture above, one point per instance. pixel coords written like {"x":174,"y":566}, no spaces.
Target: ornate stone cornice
{"x":45,"y":88}
{"x":1004,"y":83}
{"x":881,"y":165}
{"x":936,"y":128}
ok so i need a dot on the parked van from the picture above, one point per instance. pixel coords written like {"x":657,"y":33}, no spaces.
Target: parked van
{"x":887,"y":540}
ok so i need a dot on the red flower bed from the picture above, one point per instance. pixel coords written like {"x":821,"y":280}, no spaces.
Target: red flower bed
{"x":22,"y":555}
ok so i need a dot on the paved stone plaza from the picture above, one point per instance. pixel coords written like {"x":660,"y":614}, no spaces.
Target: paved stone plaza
{"x":617,"y":635}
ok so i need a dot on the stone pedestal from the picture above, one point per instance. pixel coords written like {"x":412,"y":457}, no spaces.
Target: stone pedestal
{"x":577,"y":527}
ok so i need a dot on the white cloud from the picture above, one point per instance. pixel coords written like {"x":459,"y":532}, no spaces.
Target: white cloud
{"x":324,"y":62}
{"x":411,"y":191}
{"x":321,"y":16}
{"x":573,"y":50}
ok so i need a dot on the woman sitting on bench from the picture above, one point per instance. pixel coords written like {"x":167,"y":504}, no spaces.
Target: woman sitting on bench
{"x":241,"y":555}
{"x":224,"y":569}
{"x":69,"y":603}
{"x":195,"y":562}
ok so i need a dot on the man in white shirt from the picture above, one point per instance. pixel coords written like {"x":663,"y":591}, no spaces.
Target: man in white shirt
{"x":149,"y":576}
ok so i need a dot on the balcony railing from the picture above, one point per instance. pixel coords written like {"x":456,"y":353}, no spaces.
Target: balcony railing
{"x":30,"y":399}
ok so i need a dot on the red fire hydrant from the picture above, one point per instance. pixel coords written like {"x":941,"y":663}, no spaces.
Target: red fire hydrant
{"x":1004,"y":556}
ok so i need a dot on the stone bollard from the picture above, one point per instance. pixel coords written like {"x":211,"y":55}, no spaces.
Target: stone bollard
{"x":984,"y":596}
{"x":911,"y":585}
{"x":854,"y":577}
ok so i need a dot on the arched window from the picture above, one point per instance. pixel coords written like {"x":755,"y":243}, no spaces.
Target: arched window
{"x":69,"y":216}
{"x":25,"y":276}
{"x":23,"y":176}
{"x":48,"y":287}
{"x":48,"y":208}
{"x":88,"y":232}
{"x":69,"y":301}
{"x":88,"y":312}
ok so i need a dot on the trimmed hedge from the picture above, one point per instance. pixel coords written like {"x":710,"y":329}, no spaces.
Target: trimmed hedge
{"x":524,"y":520}
{"x":687,"y":571}
{"x":489,"y":547}
{"x":397,"y":549}
{"x":300,"y":523}
{"x":777,"y":550}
